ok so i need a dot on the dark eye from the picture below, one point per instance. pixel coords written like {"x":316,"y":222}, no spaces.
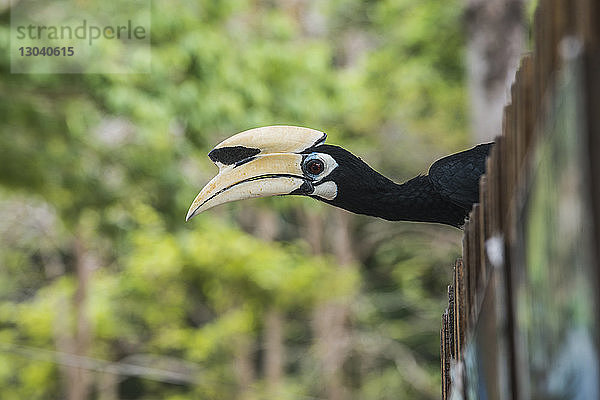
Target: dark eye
{"x":314,"y":167}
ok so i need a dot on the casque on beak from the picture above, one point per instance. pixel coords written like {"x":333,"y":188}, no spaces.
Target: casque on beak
{"x":258,"y":162}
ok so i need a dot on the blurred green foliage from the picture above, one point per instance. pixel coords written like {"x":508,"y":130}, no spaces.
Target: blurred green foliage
{"x":99,"y":169}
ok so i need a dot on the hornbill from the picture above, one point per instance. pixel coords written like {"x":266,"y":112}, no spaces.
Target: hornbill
{"x":284,"y":160}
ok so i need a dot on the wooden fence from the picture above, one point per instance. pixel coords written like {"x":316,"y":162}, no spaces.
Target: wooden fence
{"x":523,"y":314}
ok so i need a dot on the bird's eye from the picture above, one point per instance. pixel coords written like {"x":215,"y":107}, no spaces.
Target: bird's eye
{"x":314,"y":166}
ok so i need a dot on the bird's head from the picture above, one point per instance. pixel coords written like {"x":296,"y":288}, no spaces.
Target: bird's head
{"x":284,"y":160}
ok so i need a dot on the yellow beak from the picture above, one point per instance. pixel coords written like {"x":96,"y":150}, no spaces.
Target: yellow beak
{"x":260,"y":162}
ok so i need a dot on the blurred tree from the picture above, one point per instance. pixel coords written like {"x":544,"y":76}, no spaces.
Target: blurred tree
{"x":496,"y":32}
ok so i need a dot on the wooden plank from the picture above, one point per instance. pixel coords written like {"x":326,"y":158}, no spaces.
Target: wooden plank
{"x":481,"y":259}
{"x":451,"y":321}
{"x":460,"y":324}
{"x":467,"y":281}
{"x":590,"y":13}
{"x":445,"y":357}
{"x":527,"y":99}
{"x":471,"y":268}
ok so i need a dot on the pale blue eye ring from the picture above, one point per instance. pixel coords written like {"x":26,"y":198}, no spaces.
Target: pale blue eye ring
{"x":313,"y":166}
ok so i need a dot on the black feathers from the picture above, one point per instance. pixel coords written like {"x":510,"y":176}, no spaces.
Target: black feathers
{"x":456,"y":177}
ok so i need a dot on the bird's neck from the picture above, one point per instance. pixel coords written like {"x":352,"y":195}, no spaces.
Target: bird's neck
{"x":415,"y":200}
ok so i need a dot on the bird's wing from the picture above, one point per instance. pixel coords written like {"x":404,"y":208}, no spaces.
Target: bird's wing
{"x":456,"y":177}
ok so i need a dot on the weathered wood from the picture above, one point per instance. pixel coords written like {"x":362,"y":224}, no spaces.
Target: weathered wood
{"x":451,"y":322}
{"x":559,"y":27}
{"x":459,"y":308}
{"x":445,"y":356}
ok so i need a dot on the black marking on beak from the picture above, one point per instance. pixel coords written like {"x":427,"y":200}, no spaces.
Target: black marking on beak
{"x":232,"y":155}
{"x":306,"y":188}
{"x":319,"y":141}
{"x":244,"y":161}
